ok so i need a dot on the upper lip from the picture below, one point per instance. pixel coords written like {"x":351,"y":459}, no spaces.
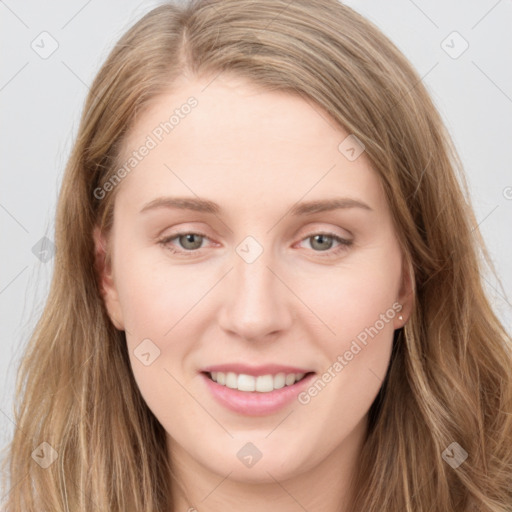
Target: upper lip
{"x":256,"y":371}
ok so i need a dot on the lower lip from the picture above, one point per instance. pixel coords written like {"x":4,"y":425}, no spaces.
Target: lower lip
{"x":254,"y":403}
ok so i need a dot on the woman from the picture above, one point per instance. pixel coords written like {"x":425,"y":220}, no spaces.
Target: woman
{"x":258,"y":366}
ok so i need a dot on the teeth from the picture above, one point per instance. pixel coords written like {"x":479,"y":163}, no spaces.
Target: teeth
{"x":246,"y":383}
{"x":279,"y":380}
{"x":262,"y":384}
{"x":289,"y":379}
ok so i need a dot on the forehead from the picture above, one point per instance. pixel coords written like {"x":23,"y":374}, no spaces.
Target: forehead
{"x":241,"y":141}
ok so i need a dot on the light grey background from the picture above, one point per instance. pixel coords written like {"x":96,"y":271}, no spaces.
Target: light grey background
{"x":41,"y":100}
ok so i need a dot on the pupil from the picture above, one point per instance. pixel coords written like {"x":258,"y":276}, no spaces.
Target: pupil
{"x":321,"y":238}
{"x":190,"y":239}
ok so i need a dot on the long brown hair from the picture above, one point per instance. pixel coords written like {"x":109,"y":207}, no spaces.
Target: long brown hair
{"x":450,"y":376}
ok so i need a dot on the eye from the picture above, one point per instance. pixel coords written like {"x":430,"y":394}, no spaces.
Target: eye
{"x":323,"y":242}
{"x":190,"y":242}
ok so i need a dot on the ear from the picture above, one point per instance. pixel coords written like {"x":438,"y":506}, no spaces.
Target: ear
{"x":406,"y":294}
{"x":106,"y":282}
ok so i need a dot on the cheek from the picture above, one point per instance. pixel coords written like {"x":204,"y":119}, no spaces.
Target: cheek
{"x":156,"y":295}
{"x":352,"y":297}
{"x":356,"y":362}
{"x":359,"y":304}
{"x":157,"y":302}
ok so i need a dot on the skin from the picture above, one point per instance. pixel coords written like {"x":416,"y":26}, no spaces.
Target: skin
{"x":255,"y":153}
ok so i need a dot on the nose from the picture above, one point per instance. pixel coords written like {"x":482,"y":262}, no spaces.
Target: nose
{"x":258,"y":304}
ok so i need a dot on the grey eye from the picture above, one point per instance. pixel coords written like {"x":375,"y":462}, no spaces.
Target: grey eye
{"x":187,"y":241}
{"x":320,"y":242}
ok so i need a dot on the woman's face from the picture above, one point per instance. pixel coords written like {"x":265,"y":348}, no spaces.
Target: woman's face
{"x":227,"y":259}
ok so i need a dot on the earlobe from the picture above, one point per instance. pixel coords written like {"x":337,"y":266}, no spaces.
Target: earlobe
{"x":105,"y":278}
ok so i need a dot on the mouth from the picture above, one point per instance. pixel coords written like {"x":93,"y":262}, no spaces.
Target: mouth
{"x":256,"y":395}
{"x":256,"y":384}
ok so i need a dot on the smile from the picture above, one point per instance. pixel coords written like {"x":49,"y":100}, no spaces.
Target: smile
{"x":261,"y":384}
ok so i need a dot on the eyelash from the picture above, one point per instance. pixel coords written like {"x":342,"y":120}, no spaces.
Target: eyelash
{"x":343,"y":243}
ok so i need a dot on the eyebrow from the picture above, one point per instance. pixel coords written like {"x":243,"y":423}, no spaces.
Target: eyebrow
{"x":206,"y":206}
